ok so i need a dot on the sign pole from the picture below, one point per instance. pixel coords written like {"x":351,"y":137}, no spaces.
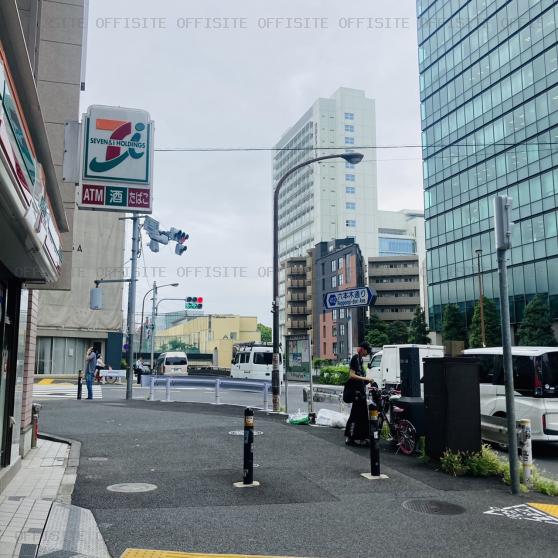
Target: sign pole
{"x":132,"y":305}
{"x":502,"y":230}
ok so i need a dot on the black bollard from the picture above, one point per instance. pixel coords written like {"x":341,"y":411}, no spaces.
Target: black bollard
{"x":80,"y":384}
{"x":374,"y":440}
{"x":248,"y":477}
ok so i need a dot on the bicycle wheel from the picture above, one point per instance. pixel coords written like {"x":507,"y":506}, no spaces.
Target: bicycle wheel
{"x":406,"y":437}
{"x":111,"y":379}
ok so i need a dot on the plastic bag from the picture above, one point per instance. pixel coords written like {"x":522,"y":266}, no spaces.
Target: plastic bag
{"x":298,"y":418}
{"x":326,"y":417}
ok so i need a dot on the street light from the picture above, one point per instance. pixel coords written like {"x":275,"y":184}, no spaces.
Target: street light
{"x":353,"y":159}
{"x":155,"y":287}
{"x":478,"y":252}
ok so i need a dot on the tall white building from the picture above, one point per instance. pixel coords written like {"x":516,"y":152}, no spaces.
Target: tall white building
{"x":335,"y":199}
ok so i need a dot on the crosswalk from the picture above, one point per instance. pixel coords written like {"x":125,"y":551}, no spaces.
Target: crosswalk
{"x":63,"y":391}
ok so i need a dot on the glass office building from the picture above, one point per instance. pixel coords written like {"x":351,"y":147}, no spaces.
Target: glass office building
{"x":489,"y":108}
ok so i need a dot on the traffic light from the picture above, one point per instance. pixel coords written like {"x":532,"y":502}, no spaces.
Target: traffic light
{"x":179,"y":249}
{"x":194,"y":303}
{"x":178,"y":236}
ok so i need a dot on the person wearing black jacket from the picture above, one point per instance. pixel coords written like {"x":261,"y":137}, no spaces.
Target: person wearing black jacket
{"x":356,"y":430}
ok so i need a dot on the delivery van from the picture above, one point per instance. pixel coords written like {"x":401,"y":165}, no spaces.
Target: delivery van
{"x":254,"y":361}
{"x":385,"y":366}
{"x":173,"y":363}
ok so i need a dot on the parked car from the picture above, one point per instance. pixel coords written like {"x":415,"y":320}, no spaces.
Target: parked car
{"x":173,"y":363}
{"x":253,"y":361}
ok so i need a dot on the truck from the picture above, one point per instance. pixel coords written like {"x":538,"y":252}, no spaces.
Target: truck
{"x":385,"y":365}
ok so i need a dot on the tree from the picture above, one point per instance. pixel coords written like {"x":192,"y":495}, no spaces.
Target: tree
{"x":536,"y":326}
{"x":453,"y":326}
{"x":377,"y":338}
{"x":178,"y":345}
{"x":376,"y":332}
{"x":398,"y":332}
{"x":265,"y":332}
{"x":492,"y":331}
{"x":418,"y":329}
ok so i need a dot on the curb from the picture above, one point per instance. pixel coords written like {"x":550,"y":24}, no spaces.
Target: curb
{"x":70,"y":474}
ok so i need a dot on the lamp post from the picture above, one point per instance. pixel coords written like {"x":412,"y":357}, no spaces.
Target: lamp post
{"x":353,"y":158}
{"x":478,"y":252}
{"x":155,"y":287}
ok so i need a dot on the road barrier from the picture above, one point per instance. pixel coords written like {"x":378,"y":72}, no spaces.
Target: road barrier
{"x":217,"y":383}
{"x":80,"y":384}
{"x":495,"y":430}
{"x":248,"y":474}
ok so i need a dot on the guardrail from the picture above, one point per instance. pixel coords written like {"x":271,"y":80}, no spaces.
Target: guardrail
{"x":495,"y":430}
{"x":322,"y":393}
{"x":169,"y":381}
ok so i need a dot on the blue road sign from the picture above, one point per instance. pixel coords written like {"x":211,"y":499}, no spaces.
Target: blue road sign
{"x":350,"y":298}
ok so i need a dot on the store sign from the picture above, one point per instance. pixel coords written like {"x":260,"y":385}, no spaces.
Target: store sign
{"x":29,"y":178}
{"x":116,"y":160}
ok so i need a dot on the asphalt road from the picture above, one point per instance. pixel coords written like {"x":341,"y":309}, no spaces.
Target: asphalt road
{"x":312,"y":500}
{"x":545,"y":455}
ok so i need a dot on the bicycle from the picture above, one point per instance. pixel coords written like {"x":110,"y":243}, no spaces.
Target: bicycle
{"x":402,"y":431}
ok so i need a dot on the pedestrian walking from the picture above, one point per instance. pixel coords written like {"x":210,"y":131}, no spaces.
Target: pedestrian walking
{"x":356,"y":431}
{"x":90,"y":364}
{"x":98,"y":367}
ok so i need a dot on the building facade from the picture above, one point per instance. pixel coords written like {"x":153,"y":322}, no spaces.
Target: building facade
{"x":338,"y":265}
{"x":215,"y":334}
{"x":298,"y":273}
{"x":35,"y":220}
{"x":489,"y":102}
{"x":396,"y":280}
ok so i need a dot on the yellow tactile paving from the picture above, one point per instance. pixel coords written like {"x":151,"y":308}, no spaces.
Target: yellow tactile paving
{"x":141,"y":553}
{"x":550,"y":509}
{"x":46,"y":381}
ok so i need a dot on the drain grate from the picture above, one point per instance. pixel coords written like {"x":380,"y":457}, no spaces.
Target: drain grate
{"x":99,"y":459}
{"x":132,"y":487}
{"x":433,"y":507}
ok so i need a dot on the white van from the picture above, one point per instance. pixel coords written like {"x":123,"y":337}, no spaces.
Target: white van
{"x":385,"y":367}
{"x":535,"y":377}
{"x":254,"y":362}
{"x":173,"y":363}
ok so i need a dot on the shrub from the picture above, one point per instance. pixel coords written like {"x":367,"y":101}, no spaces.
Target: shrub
{"x":486,"y":463}
{"x":453,"y":464}
{"x":544,"y":485}
{"x":333,"y":375}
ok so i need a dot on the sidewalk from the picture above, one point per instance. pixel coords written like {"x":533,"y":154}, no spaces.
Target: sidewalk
{"x":35,"y":510}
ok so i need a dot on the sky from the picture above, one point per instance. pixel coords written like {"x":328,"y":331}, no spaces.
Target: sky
{"x":223,"y":74}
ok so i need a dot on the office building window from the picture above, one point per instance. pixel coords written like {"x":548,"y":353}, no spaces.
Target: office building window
{"x":325,"y":332}
{"x":350,"y":205}
{"x":340,"y":263}
{"x":325,"y":348}
{"x":349,"y":165}
{"x":349,"y":141}
{"x":334,"y":282}
{"x":341,"y":330}
{"x":340,"y":281}
{"x":334,"y":348}
{"x":334,"y":330}
{"x":334,"y":313}
{"x":342,"y":313}
{"x":350,"y":177}
{"x":349,"y":128}
{"x":350,"y":223}
{"x":350,"y":190}
{"x":333,"y":265}
{"x":349,"y":116}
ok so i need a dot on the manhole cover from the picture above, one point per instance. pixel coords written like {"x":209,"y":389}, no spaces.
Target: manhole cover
{"x":132,"y":487}
{"x":433,"y":507}
{"x":241,"y":432}
{"x":97,"y":458}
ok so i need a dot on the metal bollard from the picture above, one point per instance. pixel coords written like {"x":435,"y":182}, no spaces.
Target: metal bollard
{"x":526,"y":449}
{"x":80,"y":384}
{"x":35,"y":408}
{"x":168,"y":389}
{"x":248,"y":477}
{"x":218,"y":391}
{"x":152,"y":388}
{"x":266,"y":388}
{"x":374,"y":440}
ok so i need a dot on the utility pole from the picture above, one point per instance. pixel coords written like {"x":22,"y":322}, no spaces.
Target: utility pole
{"x":502,"y":229}
{"x":132,"y":305}
{"x":153,"y":311}
{"x":481,"y":296}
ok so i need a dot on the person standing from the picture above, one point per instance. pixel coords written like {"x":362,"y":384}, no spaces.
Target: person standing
{"x":356,"y":430}
{"x":98,"y":367}
{"x":90,"y":365}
